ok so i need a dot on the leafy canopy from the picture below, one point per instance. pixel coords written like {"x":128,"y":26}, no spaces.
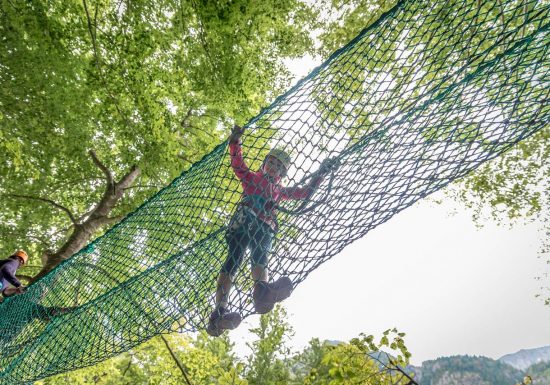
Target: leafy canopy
{"x":153,"y":84}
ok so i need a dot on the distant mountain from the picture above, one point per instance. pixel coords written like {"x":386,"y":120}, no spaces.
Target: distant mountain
{"x":467,"y":370}
{"x":471,"y":370}
{"x":527,"y":357}
{"x":540,"y":373}
{"x":510,"y":369}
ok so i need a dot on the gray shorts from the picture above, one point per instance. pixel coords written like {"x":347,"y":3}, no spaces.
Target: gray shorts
{"x":247,"y":231}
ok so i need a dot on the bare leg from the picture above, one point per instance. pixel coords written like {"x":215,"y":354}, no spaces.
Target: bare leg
{"x":259,"y":273}
{"x":225,"y":281}
{"x":221,"y":319}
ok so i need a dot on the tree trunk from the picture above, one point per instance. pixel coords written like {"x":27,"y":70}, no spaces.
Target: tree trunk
{"x":98,"y":217}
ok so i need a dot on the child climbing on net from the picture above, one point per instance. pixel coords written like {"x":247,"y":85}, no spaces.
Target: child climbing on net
{"x":253,"y":226}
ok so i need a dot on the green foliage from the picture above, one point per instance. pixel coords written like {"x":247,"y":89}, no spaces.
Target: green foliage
{"x":209,"y":361}
{"x":266,"y":365}
{"x":155,"y":83}
{"x":512,"y":186}
{"x":343,"y":20}
{"x":151,"y":83}
{"x":306,"y":362}
{"x":361,"y":361}
{"x":206,"y":361}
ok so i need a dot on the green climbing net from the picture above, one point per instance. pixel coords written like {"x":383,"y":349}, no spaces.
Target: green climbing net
{"x":420,"y":98}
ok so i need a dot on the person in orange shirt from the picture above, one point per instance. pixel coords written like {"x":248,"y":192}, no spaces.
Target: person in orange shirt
{"x":9,"y":284}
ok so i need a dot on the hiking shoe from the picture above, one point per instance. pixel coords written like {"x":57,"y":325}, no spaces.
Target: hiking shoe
{"x":220,"y":320}
{"x":266,"y":295}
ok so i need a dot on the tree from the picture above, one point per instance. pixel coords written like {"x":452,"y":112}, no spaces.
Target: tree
{"x":205,"y":361}
{"x":95,"y":94}
{"x":266,"y":364}
{"x":307,"y":361}
{"x":209,"y":361}
{"x":361,"y":361}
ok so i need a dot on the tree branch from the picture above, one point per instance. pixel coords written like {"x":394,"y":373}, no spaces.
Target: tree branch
{"x":81,"y":218}
{"x":212,"y":136}
{"x":183,"y":157}
{"x":184,"y":122}
{"x":176,"y":359}
{"x":142,"y":186}
{"x":129,"y":364}
{"x":203,"y":39}
{"x":99,"y":216}
{"x":51,"y":202}
{"x":12,"y":5}
{"x":102,"y":167}
{"x":394,"y":366}
{"x":95,"y":20}
{"x":98,"y":64}
{"x":129,"y":178}
{"x":92,"y":34}
{"x":90,"y":29}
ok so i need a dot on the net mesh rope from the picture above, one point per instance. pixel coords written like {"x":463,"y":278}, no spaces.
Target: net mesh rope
{"x":420,"y":98}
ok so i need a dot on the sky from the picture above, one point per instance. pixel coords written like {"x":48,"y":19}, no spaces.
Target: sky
{"x":451,"y":286}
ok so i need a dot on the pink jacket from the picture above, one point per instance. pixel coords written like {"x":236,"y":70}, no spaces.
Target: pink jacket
{"x":259,"y":184}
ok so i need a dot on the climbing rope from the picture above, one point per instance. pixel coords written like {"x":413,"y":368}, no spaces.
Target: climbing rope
{"x":420,"y":98}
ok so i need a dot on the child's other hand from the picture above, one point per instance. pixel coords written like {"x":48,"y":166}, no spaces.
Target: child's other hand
{"x":328,"y":165}
{"x":236,"y":133}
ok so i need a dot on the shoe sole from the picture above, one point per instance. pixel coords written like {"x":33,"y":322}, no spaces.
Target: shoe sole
{"x":279,"y":291}
{"x":228,"y":321}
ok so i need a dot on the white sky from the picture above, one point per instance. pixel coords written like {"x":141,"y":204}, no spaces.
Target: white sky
{"x":452,"y":287}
